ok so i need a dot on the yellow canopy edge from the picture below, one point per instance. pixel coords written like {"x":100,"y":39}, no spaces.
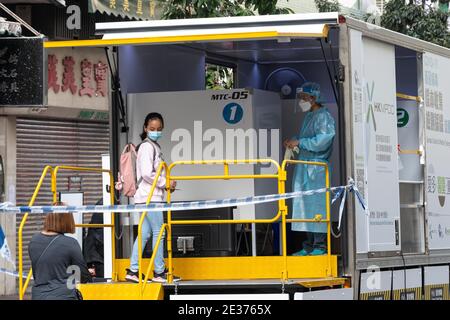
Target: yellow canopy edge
{"x":187,"y":38}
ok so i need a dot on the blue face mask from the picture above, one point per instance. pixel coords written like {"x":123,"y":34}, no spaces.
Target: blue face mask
{"x":154,"y":135}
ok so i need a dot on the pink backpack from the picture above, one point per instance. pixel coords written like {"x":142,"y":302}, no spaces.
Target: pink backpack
{"x":126,"y":180}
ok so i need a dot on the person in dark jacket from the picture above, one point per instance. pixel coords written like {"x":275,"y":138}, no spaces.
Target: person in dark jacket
{"x":93,"y":246}
{"x":56,"y":260}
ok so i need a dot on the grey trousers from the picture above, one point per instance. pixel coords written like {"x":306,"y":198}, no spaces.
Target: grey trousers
{"x":315,"y":240}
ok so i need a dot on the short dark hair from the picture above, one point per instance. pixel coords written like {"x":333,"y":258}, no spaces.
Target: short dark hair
{"x":151,"y":116}
{"x":59,"y":222}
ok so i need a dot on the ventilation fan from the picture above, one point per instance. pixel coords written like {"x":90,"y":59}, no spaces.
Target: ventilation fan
{"x":285,"y":81}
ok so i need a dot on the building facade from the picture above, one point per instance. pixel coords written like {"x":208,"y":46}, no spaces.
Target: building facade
{"x":69,"y":126}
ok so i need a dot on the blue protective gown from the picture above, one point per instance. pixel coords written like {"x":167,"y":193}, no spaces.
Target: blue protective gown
{"x":316,"y":142}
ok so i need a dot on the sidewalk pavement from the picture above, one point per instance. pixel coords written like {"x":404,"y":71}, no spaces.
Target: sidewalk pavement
{"x":15,"y":297}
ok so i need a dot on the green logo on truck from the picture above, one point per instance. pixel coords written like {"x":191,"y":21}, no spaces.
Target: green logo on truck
{"x":402,"y":117}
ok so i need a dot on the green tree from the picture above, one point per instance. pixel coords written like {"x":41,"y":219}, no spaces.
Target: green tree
{"x":419,"y":19}
{"x":333,"y":6}
{"x":415,"y":18}
{"x":181,"y":9}
{"x":218,"y":77}
{"x":327,"y":5}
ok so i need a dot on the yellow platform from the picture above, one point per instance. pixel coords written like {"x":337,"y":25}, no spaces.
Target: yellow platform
{"x":121,"y":291}
{"x":323,"y":282}
{"x":234,"y":268}
{"x":309,"y":271}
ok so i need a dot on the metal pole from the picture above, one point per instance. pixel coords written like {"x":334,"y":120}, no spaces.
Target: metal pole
{"x":283,"y":209}
{"x":253,"y":240}
{"x":113,"y":229}
{"x":18,"y":19}
{"x":169,"y":230}
{"x":327,"y":185}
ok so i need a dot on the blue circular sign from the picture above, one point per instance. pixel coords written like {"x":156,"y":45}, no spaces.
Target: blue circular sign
{"x":233,"y":113}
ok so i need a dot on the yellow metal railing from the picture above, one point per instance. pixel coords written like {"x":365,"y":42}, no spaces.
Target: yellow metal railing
{"x":225,"y":176}
{"x":54,"y":173}
{"x":167,"y":226}
{"x":152,"y":260}
{"x":162,"y":166}
{"x":281,"y":176}
{"x":318,"y":218}
{"x":408,"y":97}
{"x":23,"y":287}
{"x":111,"y":193}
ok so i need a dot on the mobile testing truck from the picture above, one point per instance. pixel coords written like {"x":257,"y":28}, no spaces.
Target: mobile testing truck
{"x":389,"y":95}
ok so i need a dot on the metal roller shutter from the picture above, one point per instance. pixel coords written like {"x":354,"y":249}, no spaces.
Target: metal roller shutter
{"x":42,"y":142}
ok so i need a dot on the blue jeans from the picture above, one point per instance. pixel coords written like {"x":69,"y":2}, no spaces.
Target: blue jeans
{"x":152,"y":225}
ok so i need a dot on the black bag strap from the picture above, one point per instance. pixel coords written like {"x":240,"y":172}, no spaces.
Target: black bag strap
{"x":48,"y":246}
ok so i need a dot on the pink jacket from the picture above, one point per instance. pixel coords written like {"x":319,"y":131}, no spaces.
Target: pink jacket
{"x":147,"y":168}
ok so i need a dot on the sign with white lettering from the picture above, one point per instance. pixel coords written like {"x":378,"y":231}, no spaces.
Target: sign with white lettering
{"x":375,"y":144}
{"x":359,"y":159}
{"x":380,"y":117}
{"x":436,"y":81}
{"x":22,"y":72}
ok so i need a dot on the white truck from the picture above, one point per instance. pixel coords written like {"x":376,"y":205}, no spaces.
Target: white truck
{"x":390,"y":97}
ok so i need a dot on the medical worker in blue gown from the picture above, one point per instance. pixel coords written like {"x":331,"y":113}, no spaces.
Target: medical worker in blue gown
{"x":315,"y":142}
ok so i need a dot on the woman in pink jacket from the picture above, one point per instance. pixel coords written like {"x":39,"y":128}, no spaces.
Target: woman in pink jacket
{"x":148,"y":160}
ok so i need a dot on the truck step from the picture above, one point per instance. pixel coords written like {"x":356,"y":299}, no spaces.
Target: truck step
{"x":121,"y":291}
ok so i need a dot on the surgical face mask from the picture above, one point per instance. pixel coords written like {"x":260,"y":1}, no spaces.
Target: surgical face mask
{"x":154,"y":135}
{"x":304,"y":105}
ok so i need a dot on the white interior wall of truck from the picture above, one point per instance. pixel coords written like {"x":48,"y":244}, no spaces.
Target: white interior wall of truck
{"x":429,"y":119}
{"x":410,"y":135}
{"x":375,"y":141}
{"x":145,"y":69}
{"x":197,"y":129}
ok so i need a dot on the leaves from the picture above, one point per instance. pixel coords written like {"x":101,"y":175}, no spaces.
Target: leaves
{"x":218,"y":77}
{"x":416,"y":20}
{"x":182,"y":9}
{"x":327,"y":5}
